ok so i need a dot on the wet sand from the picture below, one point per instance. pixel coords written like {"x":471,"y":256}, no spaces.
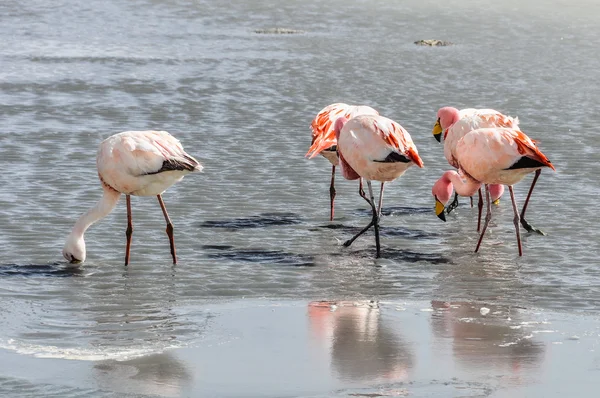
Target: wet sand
{"x":252,"y":348}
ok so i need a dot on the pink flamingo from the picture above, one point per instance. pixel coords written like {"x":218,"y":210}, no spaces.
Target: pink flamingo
{"x":374,"y":148}
{"x":490,"y":156}
{"x":141,"y":163}
{"x":324,"y":140}
{"x":455,"y":124}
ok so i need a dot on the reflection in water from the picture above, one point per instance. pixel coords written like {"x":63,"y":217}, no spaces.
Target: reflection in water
{"x":486,"y":335}
{"x":360,"y":347}
{"x":159,"y":374}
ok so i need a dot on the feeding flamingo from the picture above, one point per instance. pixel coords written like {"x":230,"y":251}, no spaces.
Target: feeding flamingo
{"x":141,"y":163}
{"x":490,"y":156}
{"x":455,"y":124}
{"x":324,"y":140}
{"x":374,"y":148}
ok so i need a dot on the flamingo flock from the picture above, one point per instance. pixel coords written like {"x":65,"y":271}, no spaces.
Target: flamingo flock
{"x":484,"y":147}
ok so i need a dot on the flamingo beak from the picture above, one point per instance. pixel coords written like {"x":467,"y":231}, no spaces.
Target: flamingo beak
{"x":496,"y":202}
{"x":439,"y":210}
{"x":437,"y":131}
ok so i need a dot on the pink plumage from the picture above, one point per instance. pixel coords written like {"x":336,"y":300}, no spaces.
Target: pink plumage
{"x":141,"y":163}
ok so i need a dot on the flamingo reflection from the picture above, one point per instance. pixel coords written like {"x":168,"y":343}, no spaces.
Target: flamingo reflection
{"x":359,"y":345}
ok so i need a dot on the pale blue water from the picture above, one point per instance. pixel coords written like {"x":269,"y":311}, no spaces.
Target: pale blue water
{"x":254,"y":224}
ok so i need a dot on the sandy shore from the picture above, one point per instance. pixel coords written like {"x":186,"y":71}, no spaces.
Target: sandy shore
{"x":350,"y":348}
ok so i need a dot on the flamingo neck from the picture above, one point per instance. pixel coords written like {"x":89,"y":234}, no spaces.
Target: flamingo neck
{"x":463,"y":185}
{"x":105,"y":205}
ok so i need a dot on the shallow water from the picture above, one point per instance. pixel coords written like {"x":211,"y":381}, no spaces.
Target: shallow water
{"x":254,"y":223}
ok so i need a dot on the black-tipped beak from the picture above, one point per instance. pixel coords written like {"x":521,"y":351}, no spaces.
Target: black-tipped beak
{"x":440,"y":210}
{"x":437,"y":131}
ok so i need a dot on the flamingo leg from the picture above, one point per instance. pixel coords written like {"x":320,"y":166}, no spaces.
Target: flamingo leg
{"x":169,"y":228}
{"x":470,"y":197}
{"x":516,"y":219}
{"x":453,"y":205}
{"x":374,"y":220}
{"x":488,"y":217}
{"x":524,"y":223}
{"x":380,"y":201}
{"x":480,"y":207}
{"x":129,"y":230}
{"x":332,"y":192}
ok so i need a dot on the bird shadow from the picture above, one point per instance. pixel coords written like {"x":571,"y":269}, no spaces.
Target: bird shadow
{"x":53,"y":269}
{"x":403,"y":255}
{"x":396,"y":210}
{"x":384,"y":231}
{"x":259,"y":256}
{"x":259,"y":221}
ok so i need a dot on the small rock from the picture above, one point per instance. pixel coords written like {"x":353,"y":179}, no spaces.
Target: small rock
{"x":278,"y":31}
{"x":433,"y":43}
{"x":484,"y":311}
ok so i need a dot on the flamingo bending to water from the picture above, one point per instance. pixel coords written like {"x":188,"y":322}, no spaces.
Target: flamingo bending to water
{"x":374,"y":148}
{"x":141,"y":163}
{"x":490,"y":156}
{"x":324,"y":140}
{"x":454,"y":124}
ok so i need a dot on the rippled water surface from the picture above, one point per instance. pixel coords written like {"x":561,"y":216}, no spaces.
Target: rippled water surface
{"x":255,"y":223}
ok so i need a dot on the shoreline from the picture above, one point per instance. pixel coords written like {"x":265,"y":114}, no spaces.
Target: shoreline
{"x":346,"y":348}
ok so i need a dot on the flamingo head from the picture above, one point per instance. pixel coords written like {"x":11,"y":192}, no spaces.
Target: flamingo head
{"x":74,"y":249}
{"x":442,"y":191}
{"x":339,"y":124}
{"x":447,"y":116}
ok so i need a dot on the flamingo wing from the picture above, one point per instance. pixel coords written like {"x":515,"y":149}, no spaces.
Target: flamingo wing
{"x":397,"y":140}
{"x":322,"y":126}
{"x":144,"y":152}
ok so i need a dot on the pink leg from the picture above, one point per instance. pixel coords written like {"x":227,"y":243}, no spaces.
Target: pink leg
{"x":129,"y":230}
{"x":380,"y":200}
{"x":480,"y":207}
{"x":169,"y":228}
{"x":516,"y":219}
{"x":332,"y":192}
{"x":374,"y":221}
{"x":488,"y":217}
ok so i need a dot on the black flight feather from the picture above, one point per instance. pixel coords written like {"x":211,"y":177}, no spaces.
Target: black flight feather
{"x":186,"y":163}
{"x":526,"y":163}
{"x":394,"y":157}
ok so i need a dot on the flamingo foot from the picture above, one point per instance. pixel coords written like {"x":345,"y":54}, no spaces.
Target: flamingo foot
{"x":531,"y":228}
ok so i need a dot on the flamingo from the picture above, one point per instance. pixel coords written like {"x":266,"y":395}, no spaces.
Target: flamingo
{"x":374,"y":148}
{"x":141,"y":163}
{"x":490,"y":156}
{"x":455,"y":124}
{"x":324,"y":140}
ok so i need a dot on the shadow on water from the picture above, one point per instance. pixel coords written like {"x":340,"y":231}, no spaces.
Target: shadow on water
{"x":403,"y":255}
{"x":53,"y":269}
{"x":259,"y":221}
{"x":384,"y":231}
{"x":396,"y":211}
{"x":262,"y":256}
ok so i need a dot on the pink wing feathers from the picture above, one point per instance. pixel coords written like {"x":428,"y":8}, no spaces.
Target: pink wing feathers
{"x":397,"y":138}
{"x":322,"y":126}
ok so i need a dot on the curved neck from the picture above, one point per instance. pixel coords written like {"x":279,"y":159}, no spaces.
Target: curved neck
{"x":105,"y":205}
{"x":463,"y":185}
